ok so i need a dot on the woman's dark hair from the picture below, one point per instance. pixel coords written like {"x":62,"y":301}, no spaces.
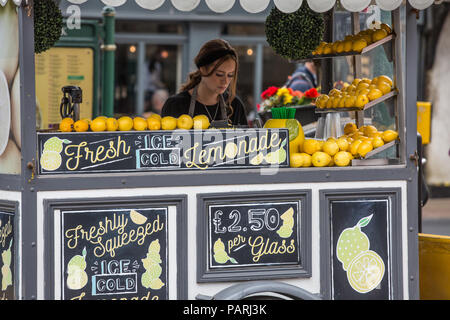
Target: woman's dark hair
{"x":211,"y":49}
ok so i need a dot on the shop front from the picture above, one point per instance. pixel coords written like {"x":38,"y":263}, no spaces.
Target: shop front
{"x":192,"y":212}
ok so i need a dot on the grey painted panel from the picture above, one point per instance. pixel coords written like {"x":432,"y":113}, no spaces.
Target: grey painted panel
{"x":395,"y":236}
{"x":50,"y":205}
{"x":204,"y":274}
{"x":13,"y":207}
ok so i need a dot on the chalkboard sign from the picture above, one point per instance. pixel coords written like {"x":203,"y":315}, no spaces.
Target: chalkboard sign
{"x":253,"y":235}
{"x":114,"y":254}
{"x":7,"y":254}
{"x":360,"y":242}
{"x":99,"y":152}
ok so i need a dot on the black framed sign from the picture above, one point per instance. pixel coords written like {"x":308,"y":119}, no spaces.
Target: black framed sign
{"x":114,"y":253}
{"x":134,"y":151}
{"x":364,"y":245}
{"x":7,"y":254}
{"x":255,"y":234}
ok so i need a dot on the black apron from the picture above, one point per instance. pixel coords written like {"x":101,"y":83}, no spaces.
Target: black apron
{"x":223,"y":110}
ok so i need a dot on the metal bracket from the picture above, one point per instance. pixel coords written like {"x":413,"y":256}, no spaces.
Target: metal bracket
{"x":31,"y":165}
{"x":415,"y":157}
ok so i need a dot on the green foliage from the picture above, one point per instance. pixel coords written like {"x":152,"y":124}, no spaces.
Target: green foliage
{"x":294,"y":35}
{"x":48,"y":22}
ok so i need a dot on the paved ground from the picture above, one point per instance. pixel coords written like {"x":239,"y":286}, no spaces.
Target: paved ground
{"x":436,"y":216}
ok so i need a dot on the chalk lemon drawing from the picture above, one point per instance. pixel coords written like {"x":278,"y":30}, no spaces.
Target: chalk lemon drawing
{"x":51,"y":158}
{"x":137,"y":218}
{"x":365,"y":271}
{"x":231,"y":150}
{"x":220,"y":255}
{"x":6,"y":268}
{"x":150,"y":278}
{"x":77,"y":278}
{"x":365,"y":268}
{"x":286,"y":229}
{"x":351,"y":242}
{"x":257,"y":160}
{"x":55,"y":144}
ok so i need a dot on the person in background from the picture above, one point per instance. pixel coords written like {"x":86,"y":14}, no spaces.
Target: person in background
{"x":211,"y":89}
{"x":159,"y":97}
{"x":303,"y":78}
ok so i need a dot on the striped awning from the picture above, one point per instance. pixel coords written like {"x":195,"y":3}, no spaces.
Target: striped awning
{"x":255,"y":6}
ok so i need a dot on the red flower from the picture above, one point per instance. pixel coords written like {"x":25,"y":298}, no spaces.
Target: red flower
{"x":311,"y":93}
{"x":298,"y":94}
{"x":291,"y":92}
{"x":269,"y":92}
{"x":258,"y":106}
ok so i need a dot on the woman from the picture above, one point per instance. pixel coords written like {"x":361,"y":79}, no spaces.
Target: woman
{"x":211,"y":89}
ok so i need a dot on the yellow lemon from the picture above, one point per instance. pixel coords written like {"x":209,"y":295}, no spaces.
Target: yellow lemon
{"x":81,"y":126}
{"x":361,"y":101}
{"x":330,"y":147}
{"x":185,"y":122}
{"x":389,"y":135}
{"x":379,"y":34}
{"x":354,"y":147}
{"x":98,"y":124}
{"x":334,"y":46}
{"x":341,"y":103}
{"x":383,"y":86}
{"x":139,"y":124}
{"x":66,"y":125}
{"x":342,"y":143}
{"x":296,"y":160}
{"x":367,"y":37}
{"x":125,"y":123}
{"x":350,"y":128}
{"x":102,"y":117}
{"x":340,"y":47}
{"x":201,"y":122}
{"x":329,"y":103}
{"x":168,"y":123}
{"x":310,"y":146}
{"x":112,"y":124}
{"x":336,"y":100}
{"x":350,"y":101}
{"x":320,"y":159}
{"x":342,"y":158}
{"x":348,"y":45}
{"x":153,"y":123}
{"x":359,"y":45}
{"x":321,"y":101}
{"x":369,"y":129}
{"x":366,"y":80}
{"x":306,"y":159}
{"x":386,"y":79}
{"x":328,"y":48}
{"x":356,"y":81}
{"x":364,"y":148}
{"x":377,"y":142}
{"x":386,"y":27}
{"x":155,"y":115}
{"x":374,"y":94}
{"x":362,"y":85}
{"x":334,"y":92}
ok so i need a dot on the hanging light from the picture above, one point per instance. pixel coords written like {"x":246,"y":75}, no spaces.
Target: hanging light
{"x":185,"y":5}
{"x":150,"y":4}
{"x":114,"y":3}
{"x":254,"y":6}
{"x":249,"y":51}
{"x":355,"y":5}
{"x":132,"y":49}
{"x":220,"y":6}
{"x":288,"y":6}
{"x":421,"y":4}
{"x":388,"y":5}
{"x":321,"y":5}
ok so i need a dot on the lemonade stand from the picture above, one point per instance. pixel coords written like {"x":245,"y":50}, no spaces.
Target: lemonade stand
{"x":197,"y":213}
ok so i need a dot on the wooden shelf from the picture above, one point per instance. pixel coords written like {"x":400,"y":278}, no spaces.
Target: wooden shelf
{"x":367,"y":106}
{"x":351,"y":53}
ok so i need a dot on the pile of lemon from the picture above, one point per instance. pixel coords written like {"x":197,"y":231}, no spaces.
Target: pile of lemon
{"x":126,"y":123}
{"x":355,"y":143}
{"x":354,"y":43}
{"x":357,"y":94}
